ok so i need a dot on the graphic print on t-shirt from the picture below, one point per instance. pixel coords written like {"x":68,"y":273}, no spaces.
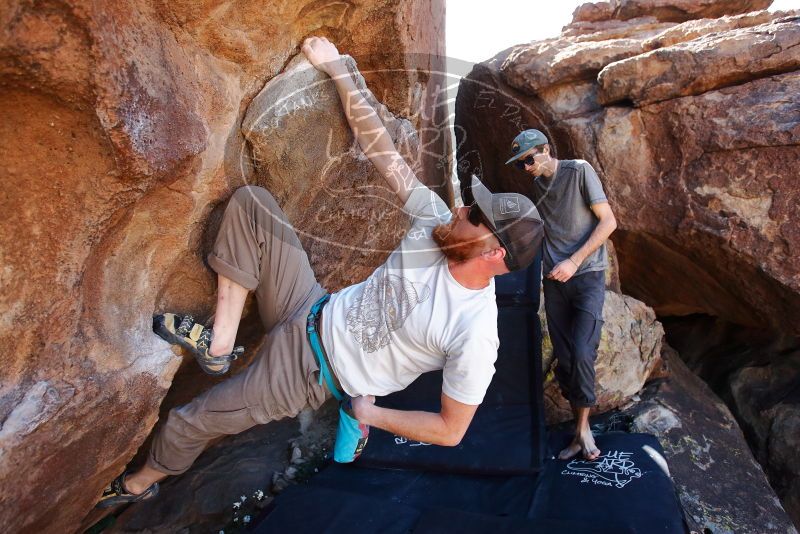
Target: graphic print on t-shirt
{"x":382,"y":308}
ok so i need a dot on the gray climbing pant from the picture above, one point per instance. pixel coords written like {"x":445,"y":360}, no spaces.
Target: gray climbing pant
{"x":258,"y":249}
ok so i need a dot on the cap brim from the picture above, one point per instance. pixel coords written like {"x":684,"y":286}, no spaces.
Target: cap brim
{"x":483,"y":197}
{"x":516,"y":157}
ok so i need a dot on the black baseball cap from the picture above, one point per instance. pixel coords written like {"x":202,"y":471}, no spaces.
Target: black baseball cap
{"x":515,"y":222}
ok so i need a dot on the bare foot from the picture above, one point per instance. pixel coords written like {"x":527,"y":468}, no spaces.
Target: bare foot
{"x":586,"y":443}
{"x":571,"y":450}
{"x":583,"y":442}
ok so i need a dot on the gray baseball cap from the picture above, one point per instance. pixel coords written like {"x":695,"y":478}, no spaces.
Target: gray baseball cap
{"x":515,"y":222}
{"x":526,"y":141}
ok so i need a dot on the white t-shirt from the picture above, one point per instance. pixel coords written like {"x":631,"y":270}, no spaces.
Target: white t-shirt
{"x":411,"y":316}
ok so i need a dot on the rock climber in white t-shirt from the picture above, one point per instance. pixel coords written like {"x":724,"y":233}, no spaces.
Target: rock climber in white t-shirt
{"x":429,"y":306}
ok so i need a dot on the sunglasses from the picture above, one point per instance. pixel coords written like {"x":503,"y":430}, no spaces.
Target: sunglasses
{"x":520,"y":163}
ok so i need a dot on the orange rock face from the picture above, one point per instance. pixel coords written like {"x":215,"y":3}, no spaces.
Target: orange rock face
{"x":119,"y":143}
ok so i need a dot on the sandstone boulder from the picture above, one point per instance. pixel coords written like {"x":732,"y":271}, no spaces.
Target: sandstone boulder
{"x":704,"y":63}
{"x":756,"y":373}
{"x":767,"y":401}
{"x":691,"y":29}
{"x":551,"y":62}
{"x":721,"y":486}
{"x":120,"y":144}
{"x":593,"y":12}
{"x":782,"y":454}
{"x":666,"y":10}
{"x":733,"y":209}
{"x":611,"y":29}
{"x":538,"y":66}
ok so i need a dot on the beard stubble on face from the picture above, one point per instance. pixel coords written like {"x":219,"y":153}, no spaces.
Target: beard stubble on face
{"x":454,"y":248}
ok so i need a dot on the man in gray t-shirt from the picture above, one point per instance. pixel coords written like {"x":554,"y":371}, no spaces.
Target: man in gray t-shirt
{"x":564,"y":201}
{"x":577,"y":222}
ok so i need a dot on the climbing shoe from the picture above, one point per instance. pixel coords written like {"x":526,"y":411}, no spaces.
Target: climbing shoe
{"x":184,"y":331}
{"x":116,"y":493}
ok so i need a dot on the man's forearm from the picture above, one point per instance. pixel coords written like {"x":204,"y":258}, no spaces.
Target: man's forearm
{"x":367,"y":127}
{"x":370,"y":133}
{"x":427,"y":427}
{"x":599,"y":236}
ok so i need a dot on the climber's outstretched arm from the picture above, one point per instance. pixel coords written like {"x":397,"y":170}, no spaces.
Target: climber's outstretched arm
{"x":367,"y":127}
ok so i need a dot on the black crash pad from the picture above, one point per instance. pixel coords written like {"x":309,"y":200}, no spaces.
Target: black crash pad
{"x":441,"y":521}
{"x":627,"y":485}
{"x":495,"y":495}
{"x":303,"y":509}
{"x":497,"y":442}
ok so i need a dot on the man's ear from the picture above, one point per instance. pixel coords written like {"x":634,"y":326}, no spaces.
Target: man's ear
{"x":496,"y":254}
